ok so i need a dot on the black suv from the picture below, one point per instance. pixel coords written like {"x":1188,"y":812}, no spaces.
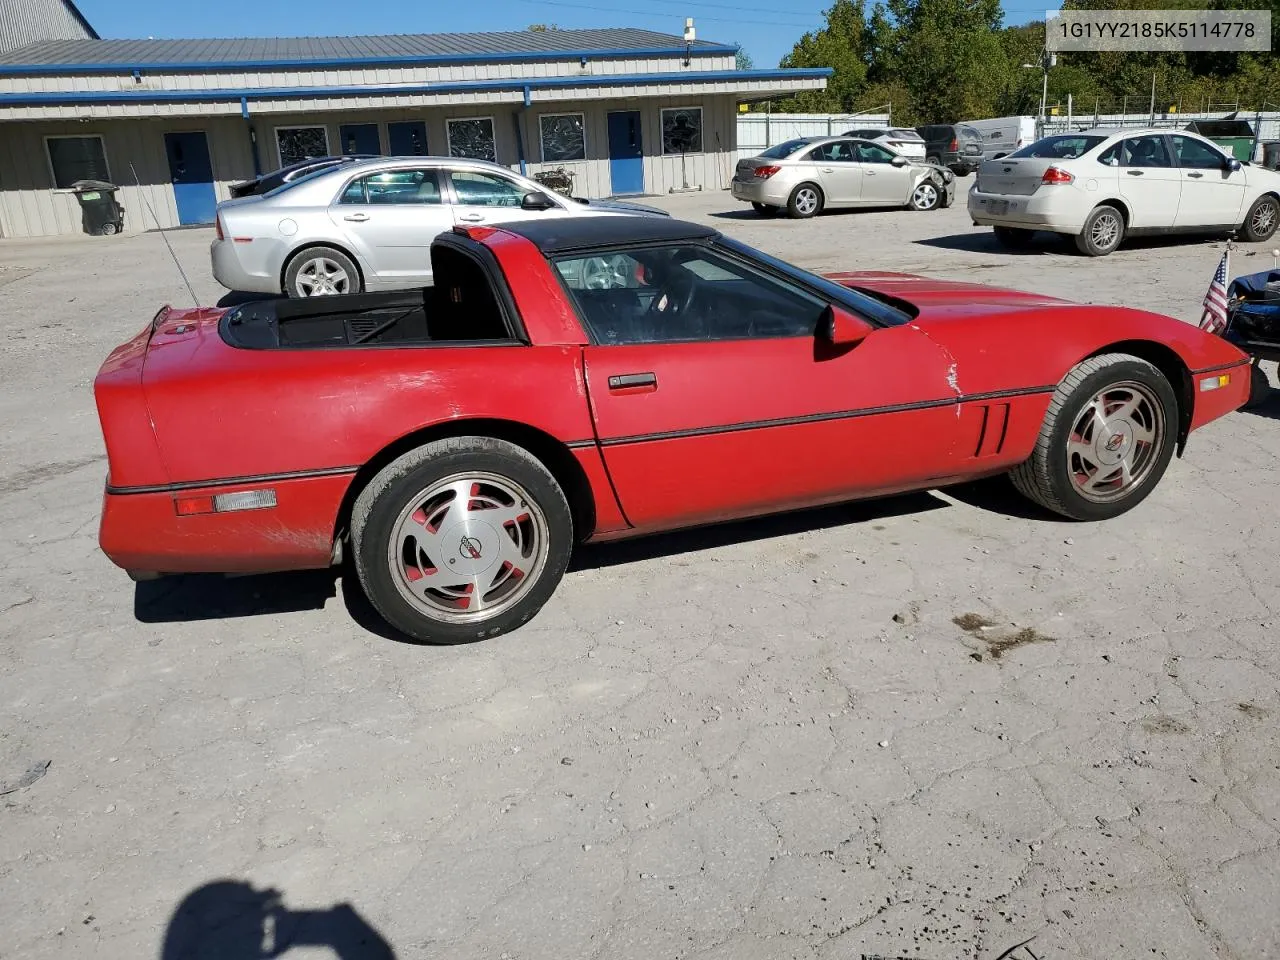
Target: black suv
{"x":952,"y":145}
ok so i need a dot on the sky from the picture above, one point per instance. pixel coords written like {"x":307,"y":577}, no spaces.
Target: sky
{"x":765,"y":29}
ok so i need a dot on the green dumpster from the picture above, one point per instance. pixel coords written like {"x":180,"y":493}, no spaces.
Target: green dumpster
{"x":1234,"y":136}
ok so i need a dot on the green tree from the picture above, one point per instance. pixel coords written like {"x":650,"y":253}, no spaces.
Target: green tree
{"x":840,"y":44}
{"x":743,"y":61}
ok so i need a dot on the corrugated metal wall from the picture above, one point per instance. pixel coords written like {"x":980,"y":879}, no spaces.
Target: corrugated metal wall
{"x":29,"y":21}
{"x":29,"y":206}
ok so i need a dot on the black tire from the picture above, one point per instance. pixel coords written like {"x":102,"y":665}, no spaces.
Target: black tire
{"x":1013,"y":238}
{"x":1259,"y":387}
{"x":764,"y":209}
{"x":1261,"y":220}
{"x":798,"y":207}
{"x":926,"y":195}
{"x":937,"y":161}
{"x":382,"y":503}
{"x":1094,"y":223}
{"x":303,"y":258}
{"x":1046,"y":478}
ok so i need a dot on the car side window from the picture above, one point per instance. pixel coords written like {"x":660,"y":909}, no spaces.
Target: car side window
{"x":676,"y":294}
{"x":1110,"y":157}
{"x":870,"y":153}
{"x":400,"y":187}
{"x":1196,"y":155}
{"x":476,"y":189}
{"x":1149,"y":151}
{"x":838,"y":152}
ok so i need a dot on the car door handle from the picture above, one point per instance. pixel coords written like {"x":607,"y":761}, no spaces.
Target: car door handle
{"x":828,"y":170}
{"x":472,"y":217}
{"x":1134,"y":173}
{"x":630,"y":381}
{"x":356,"y":217}
{"x":1196,"y":176}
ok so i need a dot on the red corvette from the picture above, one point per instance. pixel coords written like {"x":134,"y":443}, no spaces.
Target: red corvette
{"x":592,"y":379}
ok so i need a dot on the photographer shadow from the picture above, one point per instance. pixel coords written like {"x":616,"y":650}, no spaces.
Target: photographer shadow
{"x":232,"y":920}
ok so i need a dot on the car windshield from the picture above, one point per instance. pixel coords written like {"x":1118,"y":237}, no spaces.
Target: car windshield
{"x":784,"y":150}
{"x":874,"y":310}
{"x":1067,"y":146}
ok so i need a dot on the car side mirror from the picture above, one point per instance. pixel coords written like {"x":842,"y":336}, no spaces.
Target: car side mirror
{"x":1233,"y":164}
{"x":899,"y":161}
{"x":537,"y":201}
{"x":840,"y":328}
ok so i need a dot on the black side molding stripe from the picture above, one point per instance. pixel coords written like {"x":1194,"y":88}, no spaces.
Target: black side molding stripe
{"x":824,"y":417}
{"x":579,"y":444}
{"x":1220,"y":367}
{"x":234,"y":481}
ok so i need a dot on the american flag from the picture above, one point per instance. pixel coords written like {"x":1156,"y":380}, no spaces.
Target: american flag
{"x":1214,"y":318}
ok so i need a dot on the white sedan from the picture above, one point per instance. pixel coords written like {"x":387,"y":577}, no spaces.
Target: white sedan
{"x":1100,"y":186}
{"x":898,"y":139}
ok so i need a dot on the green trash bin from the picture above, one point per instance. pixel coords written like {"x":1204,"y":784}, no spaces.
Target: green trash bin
{"x":101,"y":213}
{"x":1235,"y":136}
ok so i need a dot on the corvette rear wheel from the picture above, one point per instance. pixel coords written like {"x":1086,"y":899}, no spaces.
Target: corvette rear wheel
{"x":461,"y":539}
{"x":1106,"y":439}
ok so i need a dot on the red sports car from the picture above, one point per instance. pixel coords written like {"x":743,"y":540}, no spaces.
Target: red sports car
{"x":592,"y":379}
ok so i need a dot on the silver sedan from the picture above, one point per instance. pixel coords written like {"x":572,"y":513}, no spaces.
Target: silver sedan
{"x":808,"y":175}
{"x":368,"y":225}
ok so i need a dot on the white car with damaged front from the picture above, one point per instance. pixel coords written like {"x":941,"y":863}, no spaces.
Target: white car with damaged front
{"x":1101,"y":186}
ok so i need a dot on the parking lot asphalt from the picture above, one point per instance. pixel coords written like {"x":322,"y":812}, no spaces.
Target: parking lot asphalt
{"x":786,"y":738}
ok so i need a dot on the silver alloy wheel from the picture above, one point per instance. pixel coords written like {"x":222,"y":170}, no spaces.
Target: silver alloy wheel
{"x":806,"y":200}
{"x":1263,"y":217}
{"x":1115,"y":442}
{"x":604,"y":273}
{"x":1105,"y":231}
{"x":321,"y":277}
{"x":468,"y":547}
{"x":925,"y":196}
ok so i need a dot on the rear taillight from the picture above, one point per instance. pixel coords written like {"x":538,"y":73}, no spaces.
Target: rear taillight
{"x":218,"y":227}
{"x":1056,"y":175}
{"x":764,"y":173}
{"x":955,"y":145}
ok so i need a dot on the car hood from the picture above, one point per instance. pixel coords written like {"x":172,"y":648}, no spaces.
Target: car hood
{"x":621,"y":206}
{"x":930,"y":300}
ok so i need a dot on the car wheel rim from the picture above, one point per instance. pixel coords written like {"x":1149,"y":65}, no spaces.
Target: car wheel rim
{"x":601,"y":273}
{"x":926,"y":196}
{"x":1105,"y":231}
{"x":322,"y":277}
{"x":1115,"y":442}
{"x":468,"y":547}
{"x":806,"y":201}
{"x":1264,"y":217}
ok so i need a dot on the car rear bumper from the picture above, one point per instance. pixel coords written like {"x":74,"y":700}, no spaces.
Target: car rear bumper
{"x":1055,"y":209}
{"x":239,"y":265}
{"x":141,"y":529}
{"x":760,"y":191}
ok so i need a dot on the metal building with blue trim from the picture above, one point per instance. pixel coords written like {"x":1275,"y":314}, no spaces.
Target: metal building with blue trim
{"x":626,"y":111}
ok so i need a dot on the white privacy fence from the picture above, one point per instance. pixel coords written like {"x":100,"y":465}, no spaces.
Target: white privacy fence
{"x":757,"y":131}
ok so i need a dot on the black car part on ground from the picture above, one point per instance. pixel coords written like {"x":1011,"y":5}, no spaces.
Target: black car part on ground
{"x":1253,"y":314}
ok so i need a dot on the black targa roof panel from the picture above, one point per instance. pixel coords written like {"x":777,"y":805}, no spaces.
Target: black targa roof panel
{"x":555,"y":236}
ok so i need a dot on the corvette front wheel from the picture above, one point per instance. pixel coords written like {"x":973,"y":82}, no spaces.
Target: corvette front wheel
{"x":1106,"y":439}
{"x":461,"y":539}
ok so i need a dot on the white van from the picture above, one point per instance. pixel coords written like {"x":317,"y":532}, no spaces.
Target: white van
{"x":1004,"y":135}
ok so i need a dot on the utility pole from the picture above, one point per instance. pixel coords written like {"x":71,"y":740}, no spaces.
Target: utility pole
{"x":1153,"y":98}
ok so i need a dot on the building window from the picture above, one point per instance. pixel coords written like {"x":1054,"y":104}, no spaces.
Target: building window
{"x":682,"y":130}
{"x":301,"y":143}
{"x":564,"y":137}
{"x":472,"y":138}
{"x":76,"y":158}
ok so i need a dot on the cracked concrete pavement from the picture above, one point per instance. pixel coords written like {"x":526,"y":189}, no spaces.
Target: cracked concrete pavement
{"x":770,"y":739}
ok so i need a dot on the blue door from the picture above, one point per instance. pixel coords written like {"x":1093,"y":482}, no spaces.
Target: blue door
{"x":626,"y":154}
{"x":359,"y":138}
{"x":407,"y":138}
{"x":192,"y":176}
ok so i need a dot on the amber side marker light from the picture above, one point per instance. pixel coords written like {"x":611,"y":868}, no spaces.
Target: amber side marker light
{"x":225,"y":502}
{"x":1214,"y":383}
